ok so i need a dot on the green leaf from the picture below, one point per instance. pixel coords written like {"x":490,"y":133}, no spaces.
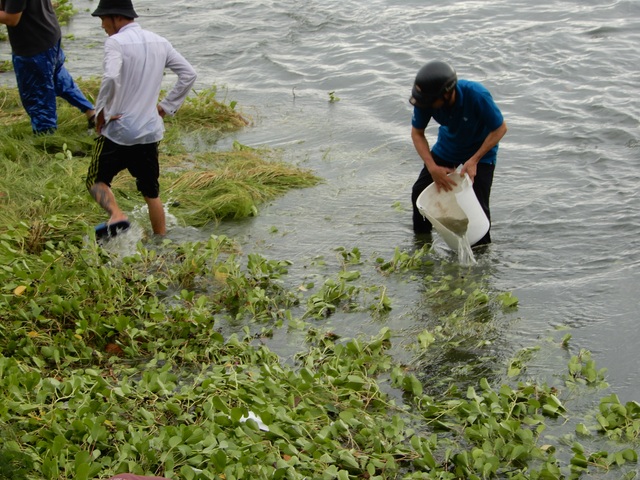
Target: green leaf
{"x":175,"y":441}
{"x":630,"y":455}
{"x":82,"y":471}
{"x":581,"y":429}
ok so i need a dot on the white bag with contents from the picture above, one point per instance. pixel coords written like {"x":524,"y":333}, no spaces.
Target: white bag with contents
{"x":456,"y":215}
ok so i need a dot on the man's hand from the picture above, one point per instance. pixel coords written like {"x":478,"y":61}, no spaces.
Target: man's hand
{"x":441,"y":178}
{"x":470,"y":168}
{"x":438,"y":173}
{"x":100,"y":122}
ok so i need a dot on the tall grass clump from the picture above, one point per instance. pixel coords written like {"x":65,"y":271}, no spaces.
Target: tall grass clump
{"x":233,"y":185}
{"x":204,"y":112}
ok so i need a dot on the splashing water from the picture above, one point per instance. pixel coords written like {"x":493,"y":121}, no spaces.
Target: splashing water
{"x":465,"y":254}
{"x":125,"y":243}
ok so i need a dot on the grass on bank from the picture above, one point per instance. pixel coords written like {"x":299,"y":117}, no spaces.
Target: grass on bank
{"x":42,"y":178}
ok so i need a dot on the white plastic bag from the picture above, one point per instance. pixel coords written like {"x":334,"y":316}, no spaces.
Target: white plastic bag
{"x":456,"y":215}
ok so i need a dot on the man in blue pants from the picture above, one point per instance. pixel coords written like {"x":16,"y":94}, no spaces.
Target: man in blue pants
{"x":38,"y":62}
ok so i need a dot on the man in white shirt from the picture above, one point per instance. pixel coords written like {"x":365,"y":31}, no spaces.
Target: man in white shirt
{"x":129,"y":119}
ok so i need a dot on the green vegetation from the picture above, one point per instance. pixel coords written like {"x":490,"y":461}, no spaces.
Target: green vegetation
{"x":154,"y":363}
{"x":64,"y":10}
{"x":42,"y":177}
{"x":112,"y":364}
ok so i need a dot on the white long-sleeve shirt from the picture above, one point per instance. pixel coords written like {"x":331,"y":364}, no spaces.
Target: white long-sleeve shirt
{"x":133,"y":69}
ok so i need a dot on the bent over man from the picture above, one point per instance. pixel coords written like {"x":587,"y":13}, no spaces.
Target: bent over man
{"x":471,"y":125}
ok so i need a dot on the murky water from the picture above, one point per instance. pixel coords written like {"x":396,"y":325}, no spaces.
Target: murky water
{"x":565,"y":202}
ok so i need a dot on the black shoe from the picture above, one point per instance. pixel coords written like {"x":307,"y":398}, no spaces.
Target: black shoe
{"x":108,"y":230}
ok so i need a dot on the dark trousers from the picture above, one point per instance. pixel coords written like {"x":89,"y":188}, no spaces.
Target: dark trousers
{"x":481,"y":186}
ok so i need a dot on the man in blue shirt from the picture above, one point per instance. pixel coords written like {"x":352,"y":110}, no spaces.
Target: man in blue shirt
{"x":471,"y":125}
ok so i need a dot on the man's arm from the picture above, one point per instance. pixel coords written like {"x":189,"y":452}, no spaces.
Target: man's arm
{"x":470,"y":166}
{"x":438,"y":173}
{"x":10,"y":19}
{"x":186,"y":78}
{"x":111,"y":72}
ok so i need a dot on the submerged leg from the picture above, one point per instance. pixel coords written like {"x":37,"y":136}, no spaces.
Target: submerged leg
{"x":156,"y":215}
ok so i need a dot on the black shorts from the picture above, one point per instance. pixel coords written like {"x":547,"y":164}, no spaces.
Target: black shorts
{"x":108,"y":159}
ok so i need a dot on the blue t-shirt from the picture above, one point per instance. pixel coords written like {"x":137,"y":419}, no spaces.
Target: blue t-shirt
{"x":465,"y":125}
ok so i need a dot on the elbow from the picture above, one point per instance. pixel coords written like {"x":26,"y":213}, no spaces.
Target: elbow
{"x":191,"y":78}
{"x":502,"y":130}
{"x":416,"y":133}
{"x":10,"y":19}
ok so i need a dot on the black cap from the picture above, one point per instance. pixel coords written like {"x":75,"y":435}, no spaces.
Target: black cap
{"x":432,"y":81}
{"x":115,"y":7}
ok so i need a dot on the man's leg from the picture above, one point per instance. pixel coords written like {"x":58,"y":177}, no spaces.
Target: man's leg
{"x":34,"y":76}
{"x":104,"y":196}
{"x":420,"y":224}
{"x":104,"y":165}
{"x":482,"y":188}
{"x":66,"y":87}
{"x":146,"y":171}
{"x":156,"y":215}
